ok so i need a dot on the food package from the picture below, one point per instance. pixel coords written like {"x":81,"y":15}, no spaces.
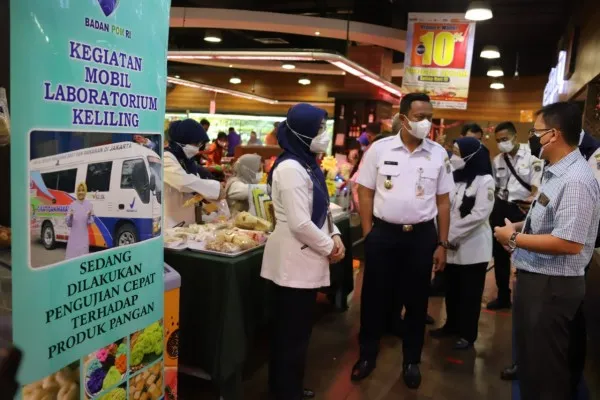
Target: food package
{"x":223,"y":247}
{"x":193,"y":200}
{"x":245,"y":220}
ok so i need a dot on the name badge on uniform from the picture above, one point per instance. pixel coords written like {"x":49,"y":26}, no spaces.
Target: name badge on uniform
{"x":543,"y":199}
{"x":390,"y":163}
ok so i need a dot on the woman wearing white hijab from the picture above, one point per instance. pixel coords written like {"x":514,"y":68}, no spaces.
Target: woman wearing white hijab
{"x":246,"y":171}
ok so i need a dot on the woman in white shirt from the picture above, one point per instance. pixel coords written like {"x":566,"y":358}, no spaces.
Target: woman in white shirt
{"x":182,"y":174}
{"x":470,"y":237}
{"x":246,"y":171}
{"x":299,"y":251}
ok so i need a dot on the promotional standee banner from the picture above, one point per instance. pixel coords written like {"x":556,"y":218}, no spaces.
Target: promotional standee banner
{"x":87,"y":110}
{"x":439,"y":51}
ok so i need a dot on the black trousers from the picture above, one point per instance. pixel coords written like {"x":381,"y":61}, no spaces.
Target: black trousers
{"x":400,"y":262}
{"x":503,"y":209}
{"x":464,"y":290}
{"x":293,"y":312}
{"x":544,"y":313}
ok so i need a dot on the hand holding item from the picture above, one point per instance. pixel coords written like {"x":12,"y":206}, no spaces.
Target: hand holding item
{"x":439,"y":259}
{"x":503,"y":233}
{"x":338,"y":252}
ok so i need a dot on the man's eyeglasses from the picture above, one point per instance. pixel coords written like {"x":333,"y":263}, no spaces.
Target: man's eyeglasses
{"x":539,"y":132}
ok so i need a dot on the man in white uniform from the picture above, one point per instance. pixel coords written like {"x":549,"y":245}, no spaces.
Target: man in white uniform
{"x":405,"y":182}
{"x":518,"y":175}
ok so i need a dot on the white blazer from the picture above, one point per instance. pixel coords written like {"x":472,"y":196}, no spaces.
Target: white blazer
{"x":296,"y":252}
{"x":472,"y":233}
{"x":181,"y":186}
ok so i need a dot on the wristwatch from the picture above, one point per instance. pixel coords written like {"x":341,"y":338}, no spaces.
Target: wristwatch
{"x":445,"y":244}
{"x":512,"y":241}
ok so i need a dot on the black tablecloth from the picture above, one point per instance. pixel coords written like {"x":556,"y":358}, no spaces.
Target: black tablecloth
{"x":224,"y":301}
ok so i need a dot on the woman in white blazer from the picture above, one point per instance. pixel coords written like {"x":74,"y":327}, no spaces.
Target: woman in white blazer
{"x":470,"y":237}
{"x":298,"y":252}
{"x":182,"y":175}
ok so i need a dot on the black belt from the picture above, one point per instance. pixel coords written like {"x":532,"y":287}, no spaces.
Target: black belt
{"x":406,"y":228}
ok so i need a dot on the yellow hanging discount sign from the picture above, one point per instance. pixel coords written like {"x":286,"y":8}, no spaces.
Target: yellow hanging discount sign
{"x":438,"y":58}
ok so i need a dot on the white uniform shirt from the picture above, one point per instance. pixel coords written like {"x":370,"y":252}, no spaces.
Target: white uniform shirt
{"x":181,"y":186}
{"x":472,"y":233}
{"x":594,"y":160}
{"x":416,"y":179}
{"x":527,"y":166}
{"x":296,"y":252}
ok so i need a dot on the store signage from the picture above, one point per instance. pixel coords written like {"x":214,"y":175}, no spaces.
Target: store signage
{"x":439,"y":50}
{"x":556,"y":81}
{"x":87,"y":272}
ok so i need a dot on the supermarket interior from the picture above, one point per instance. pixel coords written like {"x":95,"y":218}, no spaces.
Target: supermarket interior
{"x":206,"y":184}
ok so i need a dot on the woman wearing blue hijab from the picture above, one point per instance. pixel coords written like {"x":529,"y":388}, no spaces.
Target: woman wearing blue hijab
{"x":298,"y":253}
{"x":183,"y":177}
{"x":470,"y":237}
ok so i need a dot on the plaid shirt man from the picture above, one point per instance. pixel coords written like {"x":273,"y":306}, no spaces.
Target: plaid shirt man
{"x":567,"y":207}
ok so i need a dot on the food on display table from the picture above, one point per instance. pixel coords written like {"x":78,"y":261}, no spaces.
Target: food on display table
{"x":62,"y":385}
{"x":115,"y":394}
{"x":221,"y":237}
{"x":245,"y":220}
{"x":148,"y":384}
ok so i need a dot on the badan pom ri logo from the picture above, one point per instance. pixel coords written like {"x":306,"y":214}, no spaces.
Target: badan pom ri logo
{"x":108,"y":6}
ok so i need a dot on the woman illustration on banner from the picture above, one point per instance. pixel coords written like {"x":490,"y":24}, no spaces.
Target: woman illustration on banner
{"x":79,"y":217}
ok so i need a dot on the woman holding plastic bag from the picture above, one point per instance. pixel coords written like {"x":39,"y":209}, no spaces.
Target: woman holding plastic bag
{"x":298,"y":252}
{"x":181,"y":174}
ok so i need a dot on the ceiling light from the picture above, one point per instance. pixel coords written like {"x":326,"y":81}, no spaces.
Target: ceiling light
{"x":317,"y":33}
{"x":288,"y":66}
{"x":495,"y":72}
{"x":177,"y":76}
{"x":230,"y":65}
{"x":217,"y":89}
{"x":212,"y":36}
{"x":304,"y":81}
{"x":490,"y":52}
{"x":497,"y":85}
{"x":235,"y":80}
{"x":479,"y":11}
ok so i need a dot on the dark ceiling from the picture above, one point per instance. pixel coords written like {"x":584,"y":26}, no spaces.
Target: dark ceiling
{"x":529,"y":29}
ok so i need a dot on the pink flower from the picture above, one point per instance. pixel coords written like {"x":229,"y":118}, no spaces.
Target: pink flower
{"x":102,"y":354}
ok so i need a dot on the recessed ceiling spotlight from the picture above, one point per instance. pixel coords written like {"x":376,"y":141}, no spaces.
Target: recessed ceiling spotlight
{"x":479,"y":11}
{"x":177,"y":76}
{"x":318,"y":33}
{"x":304,"y":81}
{"x":288,"y":66}
{"x":497,"y":85}
{"x":212,"y":36}
{"x":495,"y":72}
{"x":490,"y":52}
{"x":235,"y":80}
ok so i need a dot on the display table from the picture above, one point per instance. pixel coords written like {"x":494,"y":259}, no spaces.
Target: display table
{"x":224,"y":302}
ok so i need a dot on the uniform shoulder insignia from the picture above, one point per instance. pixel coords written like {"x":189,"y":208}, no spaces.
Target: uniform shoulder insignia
{"x":537,"y":166}
{"x":597,"y":156}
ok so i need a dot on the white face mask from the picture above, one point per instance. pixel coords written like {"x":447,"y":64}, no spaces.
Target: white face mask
{"x":506,"y":147}
{"x":420,"y":129}
{"x":318,"y":144}
{"x":258,"y":177}
{"x":456,"y":162}
{"x":190,"y":150}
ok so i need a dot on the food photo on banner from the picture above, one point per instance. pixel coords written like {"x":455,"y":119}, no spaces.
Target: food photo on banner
{"x":91,"y":191}
{"x":439,"y":52}
{"x":86,"y":195}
